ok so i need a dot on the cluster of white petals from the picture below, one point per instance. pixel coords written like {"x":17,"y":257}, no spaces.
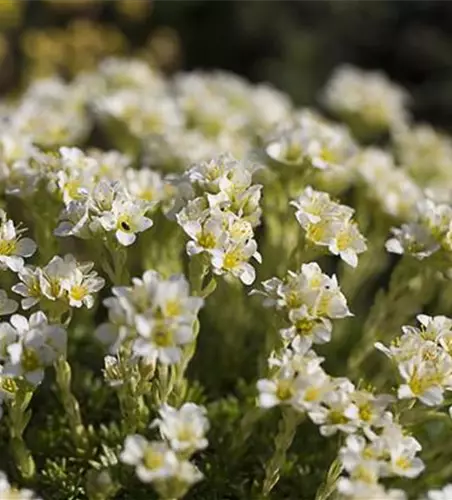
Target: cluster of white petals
{"x":221,"y":215}
{"x":155,"y":315}
{"x":329,"y":224}
{"x":166,"y":463}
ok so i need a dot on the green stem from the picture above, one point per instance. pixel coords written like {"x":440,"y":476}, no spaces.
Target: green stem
{"x":70,"y":404}
{"x":286,"y":433}
{"x":328,"y":487}
{"x":197,"y":271}
{"x":165,"y":383}
{"x":134,"y":410}
{"x":18,"y":420}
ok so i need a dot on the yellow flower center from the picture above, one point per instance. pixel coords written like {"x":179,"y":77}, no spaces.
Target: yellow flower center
{"x":365,"y":412}
{"x":78,"y":292}
{"x":172,"y":308}
{"x":231,"y":260}
{"x":284,"y":391}
{"x":34,"y":290}
{"x":206,"y":240}
{"x":147,"y":194}
{"x":30,"y":360}
{"x":304,"y":326}
{"x":402,"y":463}
{"x":337,"y":417}
{"x":72,"y":189}
{"x":312,"y":394}
{"x":55,"y":287}
{"x":316,"y":232}
{"x":8,"y":384}
{"x":294,"y":299}
{"x":328,"y":156}
{"x":152,"y":460}
{"x":162,"y":336}
{"x":343,"y":241}
{"x":8,"y":247}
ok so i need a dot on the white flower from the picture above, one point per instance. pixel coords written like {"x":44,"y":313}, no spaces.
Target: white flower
{"x":312,"y":206}
{"x":153,"y":460}
{"x":329,"y":224}
{"x":338,"y":412}
{"x":126,"y":218}
{"x":29,"y":287}
{"x":360,"y":490}
{"x":205,"y":237}
{"x":146,"y":185}
{"x":372,"y":410}
{"x":414,"y":239}
{"x":369,"y":96}
{"x":234,"y":260}
{"x":12,"y":246}
{"x":360,"y":461}
{"x":8,"y":335}
{"x":161,"y":339}
{"x":279,"y":391}
{"x":80,"y":287}
{"x":184,"y":428}
{"x":38,"y":345}
{"x":348,"y":242}
{"x":173,"y":301}
{"x":403,"y":462}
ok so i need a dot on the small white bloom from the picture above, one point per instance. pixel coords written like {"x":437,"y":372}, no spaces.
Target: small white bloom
{"x":38,"y":345}
{"x":13,"y":248}
{"x":184,"y":428}
{"x":153,"y":460}
{"x":126,"y":218}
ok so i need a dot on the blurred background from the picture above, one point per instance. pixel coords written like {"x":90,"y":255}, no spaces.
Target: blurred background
{"x":293,"y":44}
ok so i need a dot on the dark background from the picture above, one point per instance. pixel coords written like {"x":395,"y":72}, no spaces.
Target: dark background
{"x":293,"y":44}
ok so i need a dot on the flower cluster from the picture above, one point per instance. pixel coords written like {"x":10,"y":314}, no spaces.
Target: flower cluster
{"x":329,"y":224}
{"x":165,"y":464}
{"x":221,"y":217}
{"x":376,"y":445}
{"x":423,"y":360}
{"x":308,"y":301}
{"x":426,"y":154}
{"x":365,"y":98}
{"x":213,"y":164}
{"x":389,"y":186}
{"x":93,"y":208}
{"x":309,"y":141}
{"x":61,"y":284}
{"x":28,"y":346}
{"x":428,"y":233}
{"x":154,"y":315}
{"x":51,"y":113}
{"x":391,"y":453}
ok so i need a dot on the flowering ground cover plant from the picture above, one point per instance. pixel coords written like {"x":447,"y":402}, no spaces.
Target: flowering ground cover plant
{"x":208,"y":293}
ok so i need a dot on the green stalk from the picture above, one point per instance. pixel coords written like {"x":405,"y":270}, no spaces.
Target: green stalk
{"x":286,"y":432}
{"x":18,"y":418}
{"x":70,"y":404}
